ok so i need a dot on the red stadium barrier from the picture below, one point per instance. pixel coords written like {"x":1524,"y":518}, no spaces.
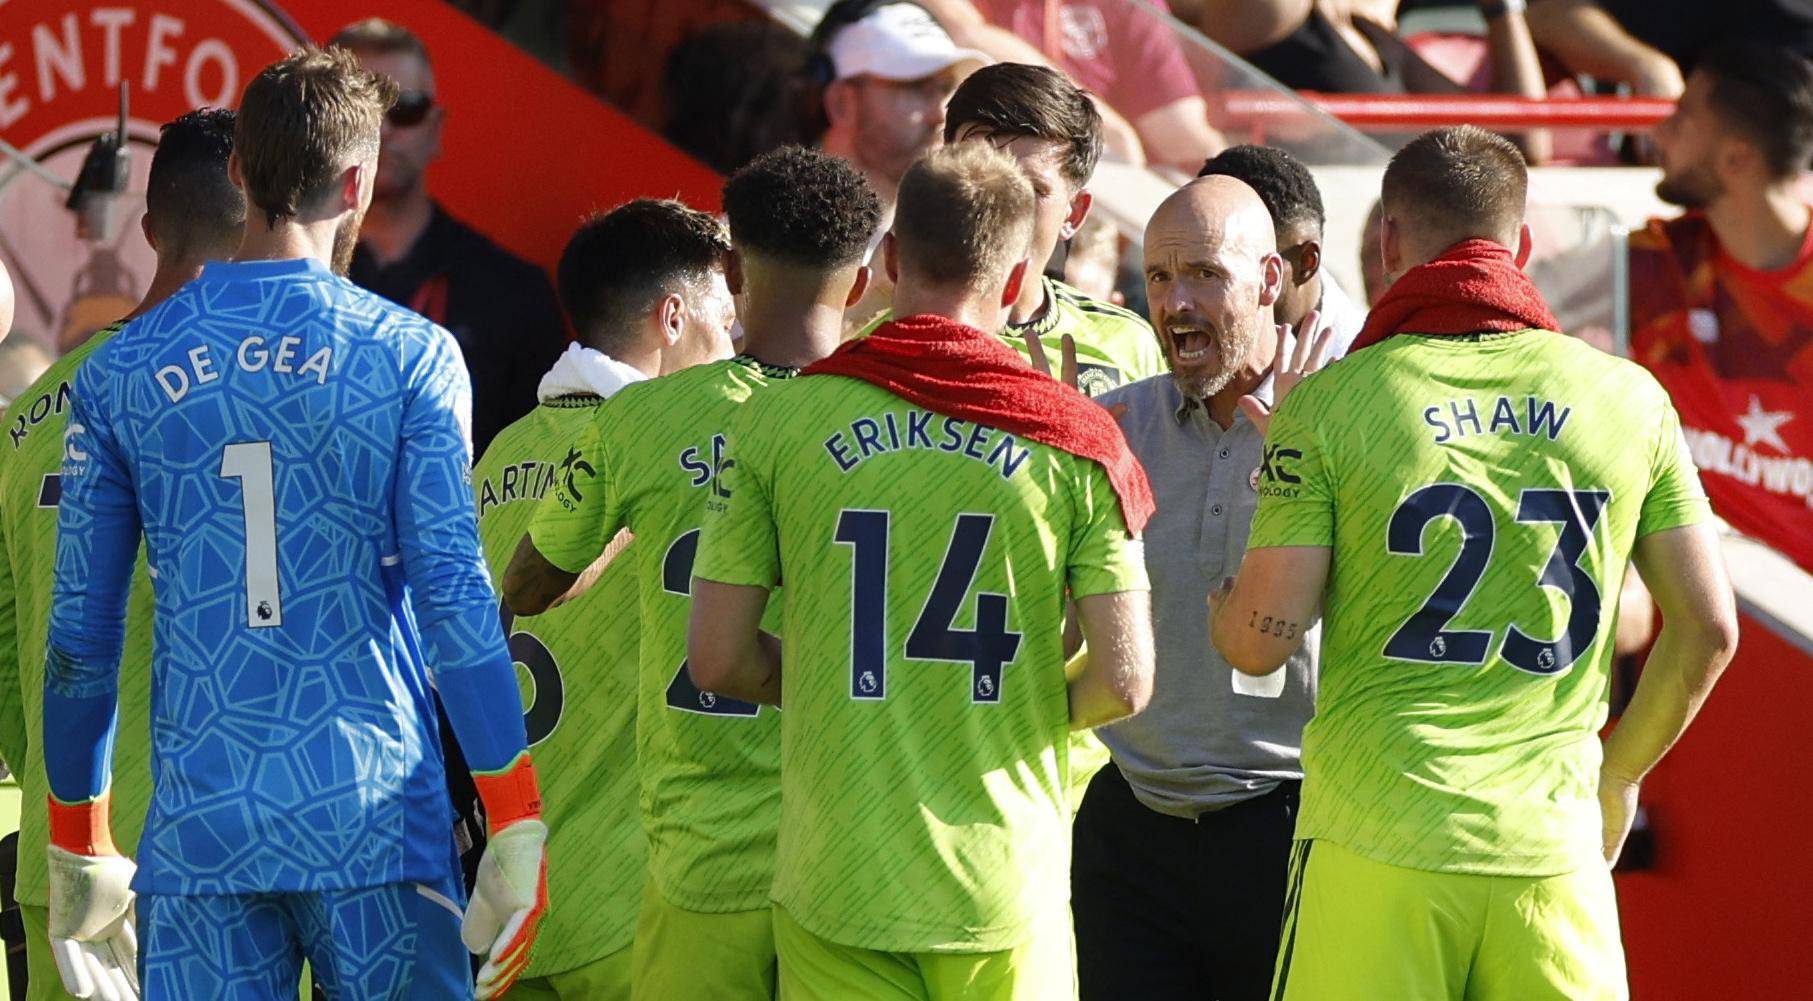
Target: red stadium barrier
{"x":1255,"y":111}
{"x":1724,"y":912}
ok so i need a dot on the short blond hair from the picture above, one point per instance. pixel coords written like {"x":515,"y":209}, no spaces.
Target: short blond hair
{"x":964,"y":216}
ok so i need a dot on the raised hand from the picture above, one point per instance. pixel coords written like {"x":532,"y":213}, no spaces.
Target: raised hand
{"x":1307,"y":356}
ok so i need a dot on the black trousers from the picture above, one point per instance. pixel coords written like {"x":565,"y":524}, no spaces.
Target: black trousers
{"x":1171,"y":908}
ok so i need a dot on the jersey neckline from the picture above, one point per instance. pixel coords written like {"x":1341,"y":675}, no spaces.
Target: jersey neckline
{"x":227,"y":271}
{"x":771,"y":371}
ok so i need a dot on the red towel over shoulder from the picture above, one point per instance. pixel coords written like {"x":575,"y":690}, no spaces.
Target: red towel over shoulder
{"x":1473,"y":287}
{"x":958,"y":371}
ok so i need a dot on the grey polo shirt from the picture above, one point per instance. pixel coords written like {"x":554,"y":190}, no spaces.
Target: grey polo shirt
{"x":1211,"y":736}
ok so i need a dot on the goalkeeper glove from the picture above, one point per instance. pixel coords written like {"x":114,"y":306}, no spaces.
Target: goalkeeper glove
{"x":512,"y":890}
{"x":91,"y":913}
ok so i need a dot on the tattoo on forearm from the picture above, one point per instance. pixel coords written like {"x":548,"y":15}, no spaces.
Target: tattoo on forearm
{"x":1274,"y":626}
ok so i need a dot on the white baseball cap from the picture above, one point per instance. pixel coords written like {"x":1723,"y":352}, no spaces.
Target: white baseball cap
{"x":899,"y":41}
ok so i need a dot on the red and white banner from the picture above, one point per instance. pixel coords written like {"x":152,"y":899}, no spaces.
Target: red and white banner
{"x":61,"y":65}
{"x":1734,"y":348}
{"x":525,"y":155}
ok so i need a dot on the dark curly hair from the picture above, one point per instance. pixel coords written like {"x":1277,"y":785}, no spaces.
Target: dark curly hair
{"x":617,"y":264}
{"x":1283,"y":182}
{"x":802,"y":207}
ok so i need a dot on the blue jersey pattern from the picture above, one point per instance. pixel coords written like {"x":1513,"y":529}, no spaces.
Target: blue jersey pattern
{"x":295,"y":452}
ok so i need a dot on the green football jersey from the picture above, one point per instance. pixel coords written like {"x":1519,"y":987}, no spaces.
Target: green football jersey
{"x":577,"y":666}
{"x":1481,"y":496}
{"x":924,"y":738}
{"x":1114,"y":346}
{"x":29,"y":490}
{"x":710,"y":766}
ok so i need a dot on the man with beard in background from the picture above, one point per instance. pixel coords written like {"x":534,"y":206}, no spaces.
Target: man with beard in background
{"x":1722,"y":295}
{"x":499,"y":307}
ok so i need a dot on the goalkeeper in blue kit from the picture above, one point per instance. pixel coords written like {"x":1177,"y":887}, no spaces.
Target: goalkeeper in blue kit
{"x":295,"y":453}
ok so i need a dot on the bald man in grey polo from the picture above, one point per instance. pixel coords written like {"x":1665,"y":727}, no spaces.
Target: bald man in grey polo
{"x":1181,"y":850}
{"x":1211,"y":736}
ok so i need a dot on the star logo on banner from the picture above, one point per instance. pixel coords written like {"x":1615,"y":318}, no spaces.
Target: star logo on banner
{"x":1761,"y":425}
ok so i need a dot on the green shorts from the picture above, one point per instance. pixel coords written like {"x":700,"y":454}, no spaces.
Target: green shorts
{"x":682,"y":955}
{"x":603,"y":979}
{"x":1359,"y":930}
{"x":43,"y":983}
{"x":813,"y":969}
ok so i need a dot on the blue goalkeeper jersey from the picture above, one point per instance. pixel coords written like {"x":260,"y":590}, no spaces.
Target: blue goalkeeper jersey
{"x":294,"y":450}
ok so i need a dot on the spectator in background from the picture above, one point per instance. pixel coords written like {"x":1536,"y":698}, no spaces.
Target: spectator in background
{"x":886,"y":71}
{"x":1125,"y":56}
{"x":1650,"y":44}
{"x":1351,"y":46}
{"x":1722,"y":296}
{"x":499,"y":307}
{"x":730,"y":92}
{"x":1291,"y":197}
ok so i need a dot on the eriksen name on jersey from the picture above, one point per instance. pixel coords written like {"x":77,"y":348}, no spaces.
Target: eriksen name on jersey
{"x":871,"y":436}
{"x":1460,"y":418}
{"x":252,"y":356}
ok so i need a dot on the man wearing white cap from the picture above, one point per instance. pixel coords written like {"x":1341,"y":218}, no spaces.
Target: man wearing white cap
{"x":887,"y":69}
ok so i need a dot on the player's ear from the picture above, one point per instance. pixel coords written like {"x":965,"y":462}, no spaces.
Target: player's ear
{"x":1391,"y":249}
{"x":1523,"y":244}
{"x":890,"y":256}
{"x":1079,"y":211}
{"x":733,"y":272}
{"x":859,"y":283}
{"x":1016,"y":280}
{"x":670,"y":315}
{"x":840,"y":102}
{"x":1309,"y":261}
{"x":352,"y":186}
{"x":1271,"y":279}
{"x":144,"y":226}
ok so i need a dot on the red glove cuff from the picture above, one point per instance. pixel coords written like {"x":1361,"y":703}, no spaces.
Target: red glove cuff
{"x":82,"y":828}
{"x":509,"y":795}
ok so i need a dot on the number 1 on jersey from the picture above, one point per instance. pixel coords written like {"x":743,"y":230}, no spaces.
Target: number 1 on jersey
{"x":249,"y":462}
